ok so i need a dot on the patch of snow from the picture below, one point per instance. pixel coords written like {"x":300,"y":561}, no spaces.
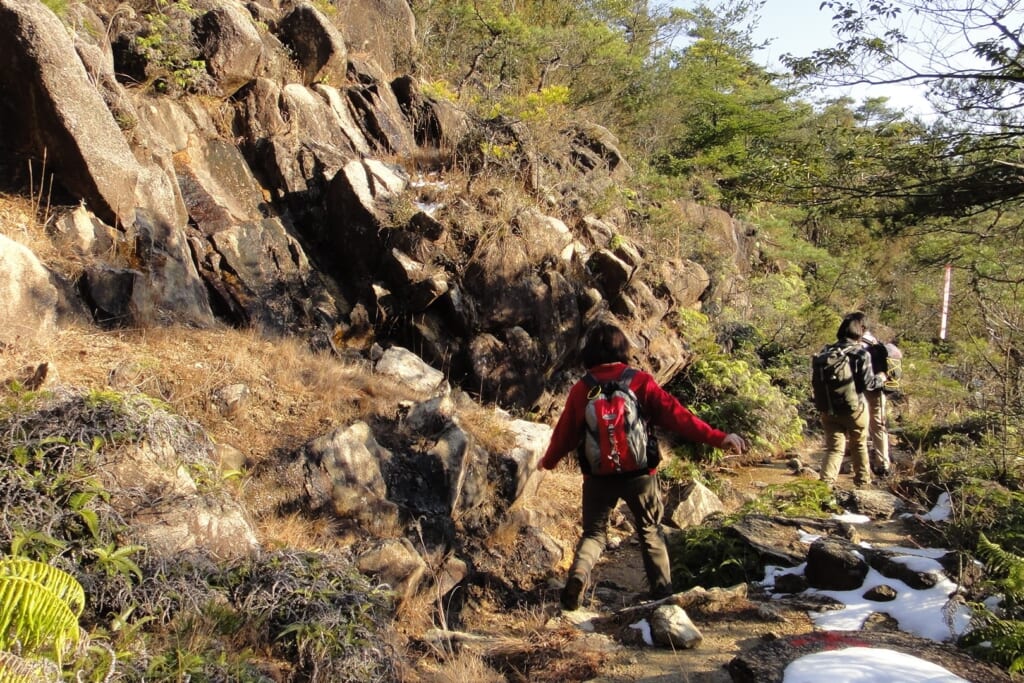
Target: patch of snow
{"x":941,"y":512}
{"x":852,"y":518}
{"x":920,"y":612}
{"x":429,"y":208}
{"x":645,"y":630}
{"x":771,"y":571}
{"x":808,"y":538}
{"x":866,"y":665}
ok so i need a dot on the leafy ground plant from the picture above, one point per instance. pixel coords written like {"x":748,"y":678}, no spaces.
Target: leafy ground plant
{"x":799,"y":498}
{"x":998,"y":636}
{"x":710,"y":556}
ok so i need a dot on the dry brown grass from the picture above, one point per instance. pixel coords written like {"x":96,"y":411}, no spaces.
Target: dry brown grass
{"x":460,"y":668}
{"x":23,"y":220}
{"x":294,"y":395}
{"x":292,"y":392}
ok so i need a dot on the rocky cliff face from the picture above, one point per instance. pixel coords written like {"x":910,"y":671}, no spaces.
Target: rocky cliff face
{"x":270,"y":165}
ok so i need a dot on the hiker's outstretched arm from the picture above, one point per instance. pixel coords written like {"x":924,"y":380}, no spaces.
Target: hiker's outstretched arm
{"x":664,"y":410}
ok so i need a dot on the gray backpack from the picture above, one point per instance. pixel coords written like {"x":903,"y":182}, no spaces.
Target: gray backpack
{"x":616,"y":440}
{"x":835,"y":391}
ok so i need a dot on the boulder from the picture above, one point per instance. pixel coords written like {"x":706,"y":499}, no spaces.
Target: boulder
{"x":531,"y":440}
{"x":874,"y":504}
{"x":683,"y":281}
{"x":611,"y":272}
{"x":82,"y":233}
{"x":314,"y":122}
{"x":409,"y":370}
{"x":508,"y":371}
{"x":259,"y":105}
{"x":394,"y":562}
{"x":58,"y":113}
{"x":595,"y":147}
{"x":108,"y":292}
{"x":672,"y":627}
{"x":696,"y":502}
{"x":344,"y":118}
{"x":280,"y":291}
{"x":437,"y":123}
{"x":782,"y":539}
{"x":418,"y":285}
{"x":899,"y":566}
{"x":164,"y":509}
{"x":230,"y":44}
{"x":356,"y":191}
{"x":216,"y":184}
{"x":380,"y":116}
{"x":835,"y":564}
{"x":316,"y":44}
{"x":29,"y":299}
{"x":343,"y":475}
{"x":385,"y":30}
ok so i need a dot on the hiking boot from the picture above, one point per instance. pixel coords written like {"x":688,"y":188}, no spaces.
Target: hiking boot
{"x":864,"y":485}
{"x":661,"y":592}
{"x":571,"y":594}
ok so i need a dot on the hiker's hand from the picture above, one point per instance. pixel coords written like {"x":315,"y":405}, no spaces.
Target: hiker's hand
{"x":735,"y":443}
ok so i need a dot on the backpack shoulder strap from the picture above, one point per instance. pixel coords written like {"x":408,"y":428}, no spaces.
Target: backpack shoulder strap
{"x":626,"y":378}
{"x":594,"y":388}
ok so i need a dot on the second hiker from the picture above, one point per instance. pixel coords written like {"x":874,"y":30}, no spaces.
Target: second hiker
{"x":841,"y":374}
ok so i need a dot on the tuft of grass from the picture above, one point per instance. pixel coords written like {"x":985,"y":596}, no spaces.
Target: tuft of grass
{"x":460,"y":667}
{"x":798,"y":498}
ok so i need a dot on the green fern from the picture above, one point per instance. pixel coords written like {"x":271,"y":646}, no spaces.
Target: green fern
{"x":1008,"y":567}
{"x":63,"y":585}
{"x":15,"y":669}
{"x":39,"y":607}
{"x":999,"y":638}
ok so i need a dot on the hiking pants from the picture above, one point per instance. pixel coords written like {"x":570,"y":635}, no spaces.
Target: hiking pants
{"x":838,"y":430}
{"x":878,"y":433}
{"x":600,"y":496}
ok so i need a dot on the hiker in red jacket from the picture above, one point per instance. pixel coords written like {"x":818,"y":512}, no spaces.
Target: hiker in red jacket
{"x":606,"y":355}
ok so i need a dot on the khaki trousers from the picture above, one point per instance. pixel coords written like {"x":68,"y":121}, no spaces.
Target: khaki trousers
{"x":844,"y":432}
{"x":641,"y":494}
{"x":878,"y":432}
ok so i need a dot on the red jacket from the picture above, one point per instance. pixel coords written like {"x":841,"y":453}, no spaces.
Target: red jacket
{"x":659,"y":408}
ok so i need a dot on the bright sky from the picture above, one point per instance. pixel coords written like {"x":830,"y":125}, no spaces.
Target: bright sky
{"x":798,"y":27}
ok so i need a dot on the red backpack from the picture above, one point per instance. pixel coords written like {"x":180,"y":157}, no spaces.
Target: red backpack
{"x":616,"y":438}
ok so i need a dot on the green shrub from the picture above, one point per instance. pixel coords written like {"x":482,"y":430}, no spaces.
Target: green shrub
{"x":737,"y":397}
{"x":732,"y":393}
{"x":709,"y":556}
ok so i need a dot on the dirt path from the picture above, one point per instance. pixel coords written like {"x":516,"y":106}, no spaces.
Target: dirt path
{"x":728,"y":630}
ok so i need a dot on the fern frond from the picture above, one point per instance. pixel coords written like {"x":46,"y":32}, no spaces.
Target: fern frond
{"x":1007,"y":566}
{"x":36,"y":602}
{"x":62,"y":584}
{"x":15,"y":669}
